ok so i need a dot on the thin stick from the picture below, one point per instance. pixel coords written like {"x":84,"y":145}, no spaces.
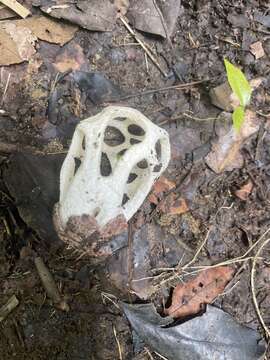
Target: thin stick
{"x":142,"y":45}
{"x":167,"y":88}
{"x":50,"y":285}
{"x":16,"y":7}
{"x":252,"y":281}
{"x":118,"y":344}
{"x":161,"y":356}
{"x":163,"y":23}
{"x":8,"y":307}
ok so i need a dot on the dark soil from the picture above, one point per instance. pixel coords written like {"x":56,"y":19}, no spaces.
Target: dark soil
{"x":40,"y":116}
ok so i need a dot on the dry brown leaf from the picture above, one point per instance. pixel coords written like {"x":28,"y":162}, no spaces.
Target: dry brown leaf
{"x":49,"y":30}
{"x":178,"y":207}
{"x":173,"y":204}
{"x":257,"y":49}
{"x":225,"y":154}
{"x":245,"y":190}
{"x":16,"y":43}
{"x":188,"y":298}
{"x":8,"y":50}
{"x":161,"y":186}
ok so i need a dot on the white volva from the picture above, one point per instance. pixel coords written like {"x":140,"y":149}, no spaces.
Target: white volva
{"x":105,"y":179}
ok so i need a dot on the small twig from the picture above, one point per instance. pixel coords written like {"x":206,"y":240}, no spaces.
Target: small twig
{"x":167,"y":88}
{"x":252,"y":281}
{"x":5,"y":90}
{"x":267,"y":116}
{"x":16,"y":7}
{"x":118,"y":344}
{"x":49,"y":285}
{"x":145,"y":48}
{"x":6,"y":309}
{"x":161,"y":356}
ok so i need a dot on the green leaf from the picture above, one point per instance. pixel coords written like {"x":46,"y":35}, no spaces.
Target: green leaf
{"x":238,"y":83}
{"x":238,"y":117}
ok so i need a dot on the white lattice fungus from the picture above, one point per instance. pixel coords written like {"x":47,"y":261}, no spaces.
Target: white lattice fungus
{"x":112,"y":163}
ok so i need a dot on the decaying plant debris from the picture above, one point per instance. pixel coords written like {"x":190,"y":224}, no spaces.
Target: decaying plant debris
{"x":64,"y":62}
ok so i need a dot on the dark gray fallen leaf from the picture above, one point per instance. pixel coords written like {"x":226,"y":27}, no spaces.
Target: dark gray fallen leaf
{"x":214,"y":335}
{"x":33,"y":182}
{"x":144,"y":16}
{"x":95,"y":15}
{"x":97,"y":87}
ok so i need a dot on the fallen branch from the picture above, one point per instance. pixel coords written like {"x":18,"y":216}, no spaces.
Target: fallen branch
{"x":8,"y":307}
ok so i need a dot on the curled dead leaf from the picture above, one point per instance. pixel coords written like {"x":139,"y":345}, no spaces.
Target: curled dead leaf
{"x":225,"y":154}
{"x":245,"y":190}
{"x":161,"y":186}
{"x":188,"y":298}
{"x":173,"y":204}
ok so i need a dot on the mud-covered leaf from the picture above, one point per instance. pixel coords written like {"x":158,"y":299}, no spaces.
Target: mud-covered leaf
{"x":238,"y":117}
{"x":145,"y":16}
{"x":214,"y":335}
{"x":94,"y":15}
{"x":188,"y":298}
{"x":225,"y":154}
{"x":238,"y":82}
